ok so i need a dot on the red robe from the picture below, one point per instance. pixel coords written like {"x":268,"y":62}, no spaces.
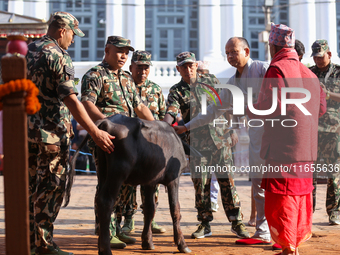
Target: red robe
{"x":289,"y":145}
{"x":288,"y":199}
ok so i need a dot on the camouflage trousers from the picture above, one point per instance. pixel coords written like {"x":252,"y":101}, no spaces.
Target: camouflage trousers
{"x":328,"y":145}
{"x":130,"y":208}
{"x":202,"y":179}
{"x":47,"y":165}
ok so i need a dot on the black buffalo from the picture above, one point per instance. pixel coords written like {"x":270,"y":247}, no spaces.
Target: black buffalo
{"x":146,"y":153}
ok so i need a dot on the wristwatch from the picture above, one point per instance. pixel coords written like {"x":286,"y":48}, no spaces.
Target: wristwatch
{"x":327,"y":95}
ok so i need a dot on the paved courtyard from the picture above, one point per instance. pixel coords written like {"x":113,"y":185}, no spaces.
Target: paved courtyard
{"x":74,"y":228}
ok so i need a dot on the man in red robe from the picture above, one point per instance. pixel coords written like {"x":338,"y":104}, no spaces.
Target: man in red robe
{"x":289,"y":142}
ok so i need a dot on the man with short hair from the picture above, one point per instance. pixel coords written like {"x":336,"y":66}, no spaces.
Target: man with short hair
{"x":300,"y":49}
{"x":290,"y":150}
{"x":249,"y":73}
{"x":108,"y":90}
{"x":329,"y":127}
{"x":152,"y":96}
{"x":210,"y":141}
{"x":50,"y":67}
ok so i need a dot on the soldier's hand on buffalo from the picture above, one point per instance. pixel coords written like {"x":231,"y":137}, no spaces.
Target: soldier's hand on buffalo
{"x":103,"y":140}
{"x":180,"y":129}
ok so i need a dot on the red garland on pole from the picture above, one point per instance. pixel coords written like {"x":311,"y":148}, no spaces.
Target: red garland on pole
{"x":32,"y":103}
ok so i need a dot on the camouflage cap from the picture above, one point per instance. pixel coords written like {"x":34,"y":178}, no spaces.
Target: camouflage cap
{"x":185,"y":57}
{"x":319,"y":48}
{"x":119,"y":41}
{"x":66,"y":20}
{"x":141,"y":58}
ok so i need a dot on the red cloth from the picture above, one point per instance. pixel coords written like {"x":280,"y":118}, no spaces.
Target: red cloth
{"x":289,"y":219}
{"x":299,"y":181}
{"x":252,"y":241}
{"x":290,"y":144}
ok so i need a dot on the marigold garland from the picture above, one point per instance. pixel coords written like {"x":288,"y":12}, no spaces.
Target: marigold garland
{"x":32,"y":102}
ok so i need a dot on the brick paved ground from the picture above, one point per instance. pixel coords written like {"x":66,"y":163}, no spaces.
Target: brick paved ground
{"x":74,"y":227}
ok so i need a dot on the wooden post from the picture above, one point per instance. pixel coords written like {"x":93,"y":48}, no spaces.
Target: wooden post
{"x":15,"y":160}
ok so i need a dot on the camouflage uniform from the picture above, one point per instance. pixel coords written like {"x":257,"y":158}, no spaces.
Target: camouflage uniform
{"x":112,"y":93}
{"x":329,"y":127}
{"x":152,"y":96}
{"x":49,"y":132}
{"x":211,"y":142}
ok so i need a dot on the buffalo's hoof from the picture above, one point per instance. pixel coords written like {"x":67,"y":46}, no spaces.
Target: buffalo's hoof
{"x":148,"y":246}
{"x":185,"y":250}
{"x":107,"y":252}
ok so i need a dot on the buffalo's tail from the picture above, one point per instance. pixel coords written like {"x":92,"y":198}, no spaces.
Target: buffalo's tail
{"x":71,"y":172}
{"x":191,"y":151}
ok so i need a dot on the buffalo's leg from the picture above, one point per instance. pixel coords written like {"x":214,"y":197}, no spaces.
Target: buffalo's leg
{"x":106,"y":196}
{"x":176,"y":215}
{"x":149,"y":212}
{"x":105,"y":201}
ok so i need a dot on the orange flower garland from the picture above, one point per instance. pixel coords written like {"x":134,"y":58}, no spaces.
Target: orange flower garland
{"x":32,"y":103}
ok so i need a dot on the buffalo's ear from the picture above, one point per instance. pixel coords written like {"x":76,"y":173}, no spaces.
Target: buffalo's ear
{"x":190,"y":151}
{"x":147,"y":123}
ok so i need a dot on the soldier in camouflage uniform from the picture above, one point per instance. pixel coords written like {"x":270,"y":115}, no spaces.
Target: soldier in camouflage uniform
{"x":108,"y":90}
{"x":50,"y":67}
{"x":152,"y":96}
{"x":210,"y":141}
{"x":329,"y":127}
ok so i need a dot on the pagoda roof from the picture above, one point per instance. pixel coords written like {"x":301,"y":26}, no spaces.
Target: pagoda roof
{"x":15,"y":23}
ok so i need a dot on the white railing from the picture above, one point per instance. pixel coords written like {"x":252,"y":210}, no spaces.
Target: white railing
{"x":164,"y":68}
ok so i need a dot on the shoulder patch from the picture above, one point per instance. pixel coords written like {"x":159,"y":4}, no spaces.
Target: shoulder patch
{"x":69,"y":70}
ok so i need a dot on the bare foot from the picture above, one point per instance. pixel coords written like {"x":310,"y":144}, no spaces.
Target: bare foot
{"x":252,"y":222}
{"x":287,"y":251}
